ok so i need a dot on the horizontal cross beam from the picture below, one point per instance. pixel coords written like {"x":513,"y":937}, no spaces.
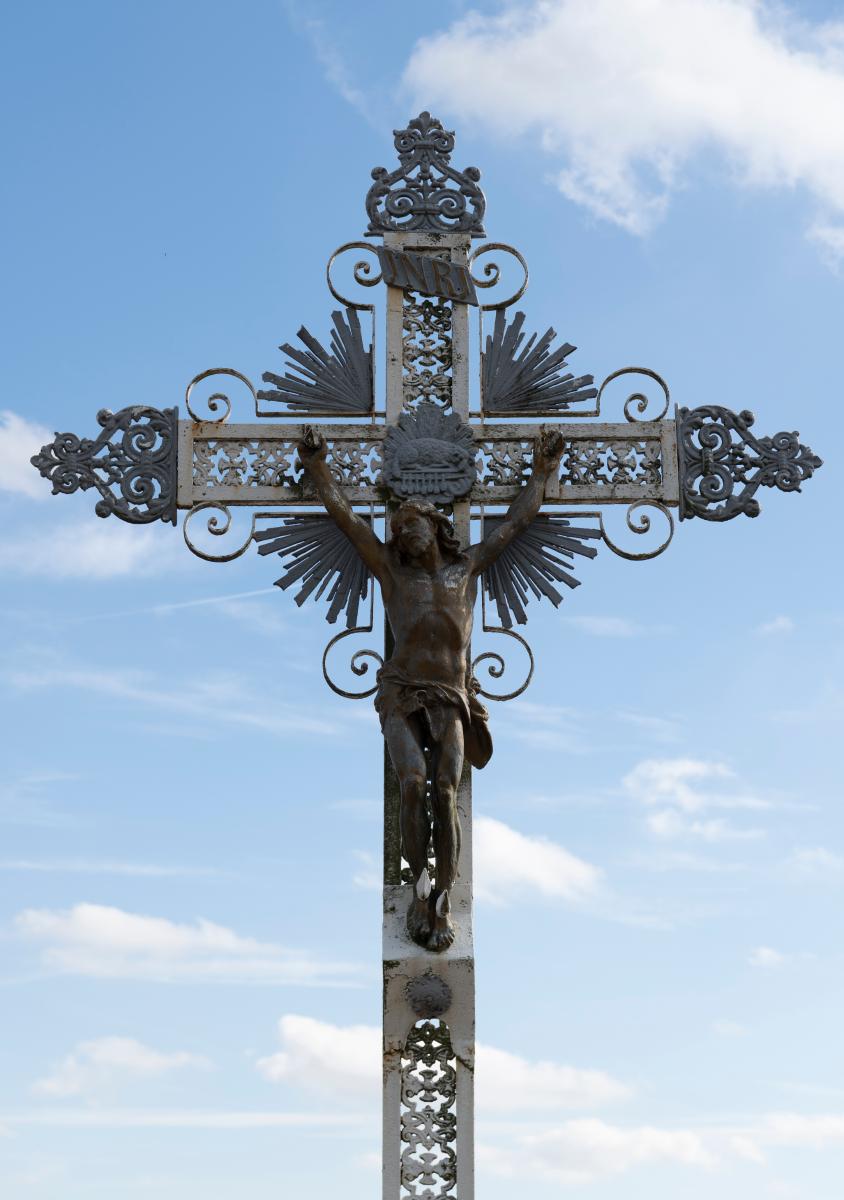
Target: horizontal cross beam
{"x":252,"y":464}
{"x":146,"y":463}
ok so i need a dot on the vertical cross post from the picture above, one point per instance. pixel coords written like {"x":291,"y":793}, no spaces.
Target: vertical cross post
{"x":429,"y":999}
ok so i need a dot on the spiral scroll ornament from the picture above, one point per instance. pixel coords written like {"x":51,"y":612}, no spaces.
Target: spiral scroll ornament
{"x":132,"y":464}
{"x":722,"y":464}
{"x":638,"y":405}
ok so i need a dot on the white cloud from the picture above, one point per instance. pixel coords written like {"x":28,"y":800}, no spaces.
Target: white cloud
{"x":509,"y":864}
{"x":96,"y":940}
{"x":91,"y":549}
{"x":326,"y":1058}
{"x":622,"y":96}
{"x":776,"y":625}
{"x":331,"y":1059}
{"x":816,"y":1131}
{"x":764,"y":956}
{"x":588,"y":1149}
{"x":509,"y":1083}
{"x":104,"y":1060}
{"x":672,"y":786}
{"x":19,"y":440}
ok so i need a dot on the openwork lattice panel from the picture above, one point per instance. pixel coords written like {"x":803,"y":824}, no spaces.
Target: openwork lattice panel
{"x":429,"y":1113}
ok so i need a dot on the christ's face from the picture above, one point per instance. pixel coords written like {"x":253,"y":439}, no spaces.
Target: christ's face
{"x":415,"y":535}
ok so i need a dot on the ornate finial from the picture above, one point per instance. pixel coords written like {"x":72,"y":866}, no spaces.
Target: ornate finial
{"x":416,"y":195}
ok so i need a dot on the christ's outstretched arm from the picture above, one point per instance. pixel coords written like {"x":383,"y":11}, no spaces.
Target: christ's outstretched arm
{"x":547,"y":451}
{"x":312,"y":450}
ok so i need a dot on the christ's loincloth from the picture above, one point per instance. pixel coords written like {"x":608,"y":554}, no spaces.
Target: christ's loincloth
{"x":400,"y":693}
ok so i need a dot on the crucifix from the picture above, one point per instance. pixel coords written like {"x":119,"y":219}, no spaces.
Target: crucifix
{"x":495,"y":491}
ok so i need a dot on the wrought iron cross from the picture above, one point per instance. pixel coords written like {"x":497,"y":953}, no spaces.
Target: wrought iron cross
{"x":426,"y":442}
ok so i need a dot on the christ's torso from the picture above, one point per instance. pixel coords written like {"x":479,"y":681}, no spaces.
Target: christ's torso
{"x":431,"y":618}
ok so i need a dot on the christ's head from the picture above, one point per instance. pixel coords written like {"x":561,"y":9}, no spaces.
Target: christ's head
{"x":418,"y":526}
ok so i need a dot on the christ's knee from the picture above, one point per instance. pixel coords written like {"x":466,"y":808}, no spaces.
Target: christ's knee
{"x":413,"y":789}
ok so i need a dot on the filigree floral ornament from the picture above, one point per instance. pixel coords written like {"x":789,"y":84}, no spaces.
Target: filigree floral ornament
{"x":418,"y":195}
{"x":132,"y":464}
{"x":722,"y":464}
{"x":431,"y":454}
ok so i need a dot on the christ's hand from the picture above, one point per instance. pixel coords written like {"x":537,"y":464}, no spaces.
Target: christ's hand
{"x":311,"y":447}
{"x":547,"y":451}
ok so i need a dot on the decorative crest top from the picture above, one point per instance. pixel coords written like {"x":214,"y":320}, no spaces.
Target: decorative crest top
{"x":416,"y":195}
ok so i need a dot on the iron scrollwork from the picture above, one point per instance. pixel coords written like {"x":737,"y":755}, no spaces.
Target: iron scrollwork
{"x":722,"y":464}
{"x":637,"y":402}
{"x":417,"y":194}
{"x":132,"y":464}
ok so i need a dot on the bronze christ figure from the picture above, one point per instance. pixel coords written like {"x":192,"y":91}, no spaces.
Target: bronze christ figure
{"x":427,"y":696}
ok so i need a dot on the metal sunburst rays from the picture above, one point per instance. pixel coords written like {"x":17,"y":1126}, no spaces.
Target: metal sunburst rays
{"x":326,"y":383}
{"x":314,"y":551}
{"x":528,"y":380}
{"x":533,"y":562}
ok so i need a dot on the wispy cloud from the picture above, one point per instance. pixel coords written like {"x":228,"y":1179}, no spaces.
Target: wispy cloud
{"x":23,"y":801}
{"x":607,"y":627}
{"x":679,"y":791}
{"x":109,"y":943}
{"x":102,"y":1061}
{"x":367,"y":876}
{"x":767,"y":958}
{"x":215,"y":699}
{"x":115,"y":1118}
{"x":19,"y":440}
{"x":330,"y":57}
{"x":652,"y":87}
{"x":776,"y":625}
{"x":79,"y":866}
{"x":818,"y":863}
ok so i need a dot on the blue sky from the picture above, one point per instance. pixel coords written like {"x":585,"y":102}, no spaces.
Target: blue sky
{"x":190,"y":820}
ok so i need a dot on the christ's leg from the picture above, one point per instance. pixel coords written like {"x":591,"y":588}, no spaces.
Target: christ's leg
{"x":404,"y":742}
{"x":448,"y":766}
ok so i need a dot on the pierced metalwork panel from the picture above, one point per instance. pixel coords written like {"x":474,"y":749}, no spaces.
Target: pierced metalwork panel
{"x":722,"y":464}
{"x":251,"y":464}
{"x":426,"y":349}
{"x":612,"y":464}
{"x":418,"y":195}
{"x":132,"y":464}
{"x":529,"y":379}
{"x":533,"y":563}
{"x":429,"y":1113}
{"x":601,"y":463}
{"x":321,"y":383}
